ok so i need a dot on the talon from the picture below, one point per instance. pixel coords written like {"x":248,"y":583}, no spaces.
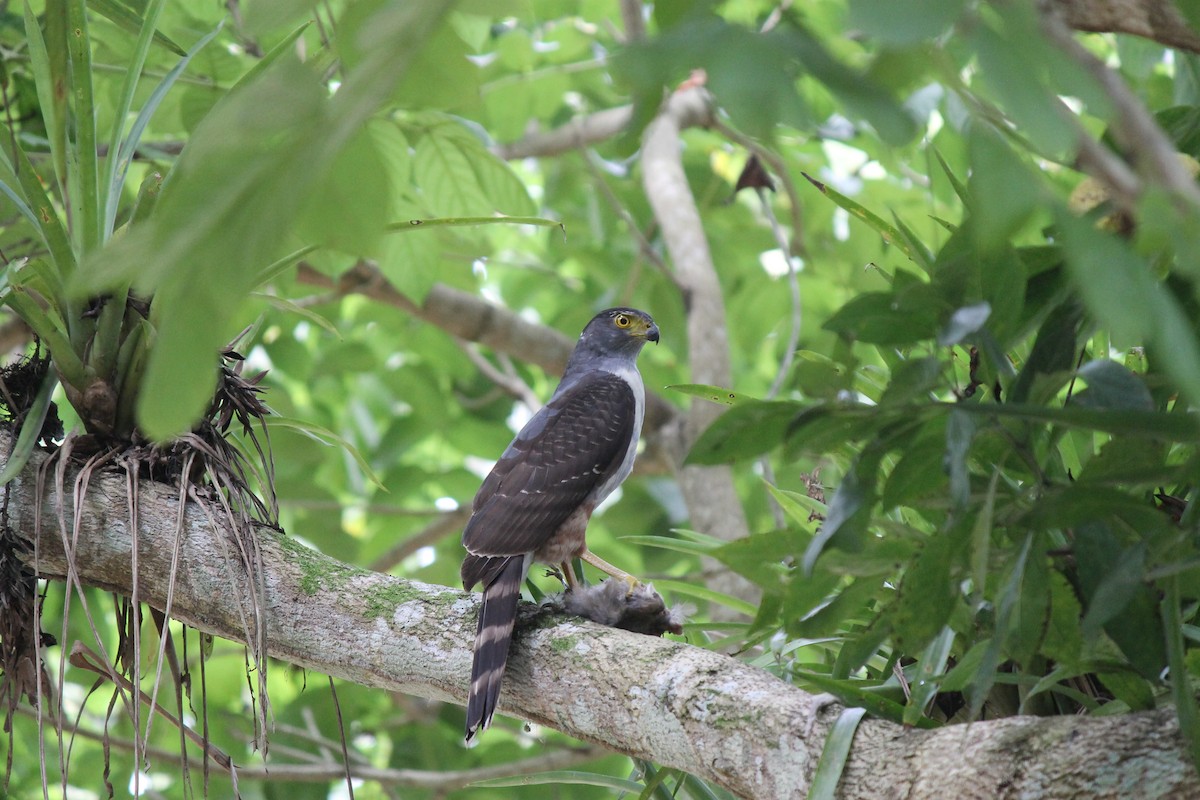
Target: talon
{"x":604,"y":566}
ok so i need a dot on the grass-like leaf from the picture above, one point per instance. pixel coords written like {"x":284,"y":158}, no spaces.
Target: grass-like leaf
{"x":713,"y":394}
{"x":328,"y":438}
{"x":564,"y":776}
{"x":702,"y":593}
{"x":31,"y":428}
{"x":890,"y":233}
{"x":834,"y":755}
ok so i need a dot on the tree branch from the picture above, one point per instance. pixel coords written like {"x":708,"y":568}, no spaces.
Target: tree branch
{"x":669,"y":702}
{"x":712,"y":500}
{"x":474,"y":319}
{"x":1159,"y":20}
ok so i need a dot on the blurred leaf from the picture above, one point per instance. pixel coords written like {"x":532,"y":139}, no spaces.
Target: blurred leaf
{"x":960,"y":430}
{"x":1054,"y":349}
{"x":898,"y":23}
{"x":912,"y":379}
{"x":849,"y":511}
{"x":964,"y":322}
{"x":1110,"y":385}
{"x":1007,"y":603}
{"x":1116,"y":598}
{"x":901,"y":318}
{"x":1120,"y":289}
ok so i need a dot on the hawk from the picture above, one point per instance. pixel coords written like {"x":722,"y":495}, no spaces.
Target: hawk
{"x":536,"y":502}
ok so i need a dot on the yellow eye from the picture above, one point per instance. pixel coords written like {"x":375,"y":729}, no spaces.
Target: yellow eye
{"x":621,"y":321}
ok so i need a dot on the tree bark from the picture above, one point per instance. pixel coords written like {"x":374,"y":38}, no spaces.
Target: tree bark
{"x":662,"y":700}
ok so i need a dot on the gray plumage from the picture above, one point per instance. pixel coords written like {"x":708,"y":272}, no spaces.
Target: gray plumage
{"x":536,"y":502}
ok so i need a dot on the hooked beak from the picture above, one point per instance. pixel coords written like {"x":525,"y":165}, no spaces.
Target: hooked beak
{"x":651,"y":333}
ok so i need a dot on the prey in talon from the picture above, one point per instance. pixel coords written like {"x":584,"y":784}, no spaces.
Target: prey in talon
{"x":536,"y":502}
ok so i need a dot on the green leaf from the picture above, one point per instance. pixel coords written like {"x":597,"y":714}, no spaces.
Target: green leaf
{"x":126,"y":147}
{"x":1054,"y":349}
{"x":1117,"y":599}
{"x":849,"y":511}
{"x":329,"y":439}
{"x":930,"y":665}
{"x":901,"y":23}
{"x":964,"y":322}
{"x":903,"y":317}
{"x":856,"y":693}
{"x":912,"y":379}
{"x":31,"y":429}
{"x":760,"y":556}
{"x":833,"y":756}
{"x":927,"y":594}
{"x":123,"y":17}
{"x":459,"y":176}
{"x":1111,"y":385}
{"x":1006,"y":605}
{"x":714,"y":394}
{"x":960,"y":431}
{"x":1182,"y":692}
{"x":1120,"y":289}
{"x":566,"y":777}
{"x":1004,"y":190}
{"x":890,"y":233}
{"x":703,"y":593}
{"x":748,"y":429}
{"x":348,"y":210}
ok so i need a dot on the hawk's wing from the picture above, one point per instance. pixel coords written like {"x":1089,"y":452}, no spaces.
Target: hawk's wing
{"x":569,"y":448}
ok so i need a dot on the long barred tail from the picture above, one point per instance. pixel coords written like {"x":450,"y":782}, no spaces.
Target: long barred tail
{"x":496,"y":620}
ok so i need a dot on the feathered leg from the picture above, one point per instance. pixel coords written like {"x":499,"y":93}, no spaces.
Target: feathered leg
{"x":496,"y":620}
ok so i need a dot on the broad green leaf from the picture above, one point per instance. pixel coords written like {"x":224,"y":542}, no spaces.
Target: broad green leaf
{"x":1120,"y":289}
{"x":964,"y":322}
{"x":1004,"y":190}
{"x":1114,"y":598}
{"x":860,"y":94}
{"x":960,"y":431}
{"x":927,"y":594}
{"x":748,"y":429}
{"x":1110,"y":385}
{"x":348,"y":210}
{"x":761,"y":556}
{"x":912,"y":379}
{"x":1054,"y":349}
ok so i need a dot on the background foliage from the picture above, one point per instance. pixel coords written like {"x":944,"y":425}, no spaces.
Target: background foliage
{"x":996,"y":390}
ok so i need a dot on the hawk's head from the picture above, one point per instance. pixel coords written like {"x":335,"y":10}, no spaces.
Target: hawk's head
{"x":619,"y":331}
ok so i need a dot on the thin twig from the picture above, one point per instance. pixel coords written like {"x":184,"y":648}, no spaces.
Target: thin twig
{"x":507,"y":378}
